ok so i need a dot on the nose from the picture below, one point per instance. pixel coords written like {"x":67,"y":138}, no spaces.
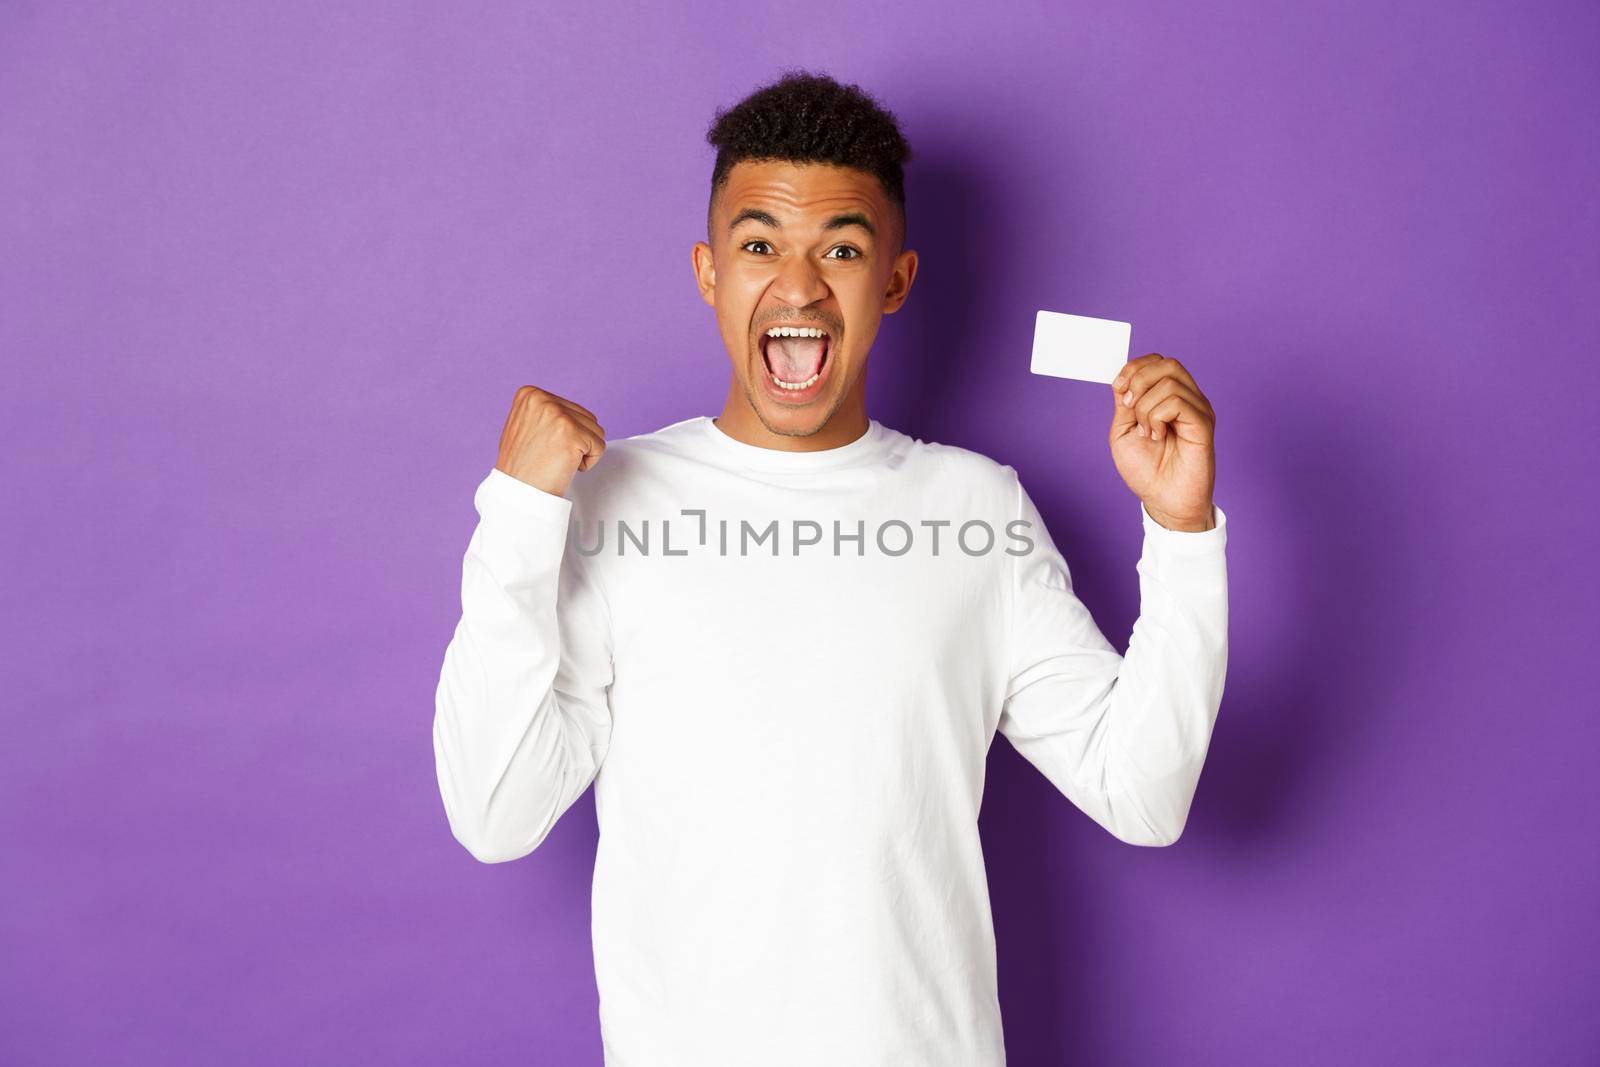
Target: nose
{"x":799,"y":282}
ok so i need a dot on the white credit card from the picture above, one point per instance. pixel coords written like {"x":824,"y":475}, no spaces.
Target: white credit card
{"x":1076,"y":346}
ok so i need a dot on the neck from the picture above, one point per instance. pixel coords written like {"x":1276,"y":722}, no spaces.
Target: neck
{"x":799,"y":433}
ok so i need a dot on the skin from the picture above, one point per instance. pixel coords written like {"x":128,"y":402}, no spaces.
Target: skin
{"x":1162,"y":439}
{"x":756,"y":274}
{"x":790,"y":269}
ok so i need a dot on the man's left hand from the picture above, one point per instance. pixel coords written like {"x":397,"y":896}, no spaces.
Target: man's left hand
{"x":1174,"y":471}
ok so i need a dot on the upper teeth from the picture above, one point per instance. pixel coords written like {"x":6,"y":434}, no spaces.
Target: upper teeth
{"x":795,"y":331}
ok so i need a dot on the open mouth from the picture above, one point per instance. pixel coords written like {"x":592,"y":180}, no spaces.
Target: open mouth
{"x":795,"y":355}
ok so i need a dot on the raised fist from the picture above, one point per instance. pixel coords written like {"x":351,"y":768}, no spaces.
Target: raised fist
{"x":548,"y":439}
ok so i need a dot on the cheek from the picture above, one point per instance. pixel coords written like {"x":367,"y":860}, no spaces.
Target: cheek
{"x":858,"y":314}
{"x":737,"y":301}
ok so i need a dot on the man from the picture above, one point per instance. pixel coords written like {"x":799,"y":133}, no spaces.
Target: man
{"x":779,"y":642}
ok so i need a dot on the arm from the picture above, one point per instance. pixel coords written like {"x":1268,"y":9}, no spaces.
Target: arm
{"x":521,"y":721}
{"x":1123,"y":737}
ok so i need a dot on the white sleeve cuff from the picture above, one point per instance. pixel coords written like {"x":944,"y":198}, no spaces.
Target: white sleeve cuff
{"x":1184,"y":542}
{"x":502,"y":494}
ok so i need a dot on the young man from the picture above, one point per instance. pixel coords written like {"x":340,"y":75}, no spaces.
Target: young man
{"x":780,"y":641}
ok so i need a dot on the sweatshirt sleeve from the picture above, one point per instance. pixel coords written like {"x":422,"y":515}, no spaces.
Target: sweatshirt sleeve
{"x":522,"y":717}
{"x":1122,"y":737}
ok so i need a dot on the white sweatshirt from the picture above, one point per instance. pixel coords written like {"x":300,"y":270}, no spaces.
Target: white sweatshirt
{"x":788,"y":742}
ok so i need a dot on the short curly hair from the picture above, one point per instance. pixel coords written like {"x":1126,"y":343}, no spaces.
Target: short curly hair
{"x":807,"y":117}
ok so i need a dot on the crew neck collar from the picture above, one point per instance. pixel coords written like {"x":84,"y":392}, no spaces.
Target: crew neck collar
{"x":774,"y":459}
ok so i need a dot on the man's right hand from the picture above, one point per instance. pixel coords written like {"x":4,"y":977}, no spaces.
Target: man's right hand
{"x":548,"y":439}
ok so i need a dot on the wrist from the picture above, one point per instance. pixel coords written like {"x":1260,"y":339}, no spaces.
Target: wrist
{"x":1206,"y":520}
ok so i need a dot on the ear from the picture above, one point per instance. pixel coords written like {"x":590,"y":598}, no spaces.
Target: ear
{"x":705,"y":272}
{"x":905,"y":271}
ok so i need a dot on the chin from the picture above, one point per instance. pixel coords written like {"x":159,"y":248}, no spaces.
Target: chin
{"x":788,"y":417}
{"x":790,"y":424}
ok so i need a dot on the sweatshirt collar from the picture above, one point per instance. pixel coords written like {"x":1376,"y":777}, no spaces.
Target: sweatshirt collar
{"x":773,"y":459}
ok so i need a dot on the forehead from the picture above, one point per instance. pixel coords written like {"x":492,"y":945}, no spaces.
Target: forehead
{"x":801,"y":190}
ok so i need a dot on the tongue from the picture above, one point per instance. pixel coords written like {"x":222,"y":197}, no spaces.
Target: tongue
{"x":794,"y":359}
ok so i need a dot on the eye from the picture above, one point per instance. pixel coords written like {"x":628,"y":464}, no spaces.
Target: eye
{"x":855,"y":253}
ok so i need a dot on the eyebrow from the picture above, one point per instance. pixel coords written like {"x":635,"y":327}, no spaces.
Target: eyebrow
{"x":838,"y":222}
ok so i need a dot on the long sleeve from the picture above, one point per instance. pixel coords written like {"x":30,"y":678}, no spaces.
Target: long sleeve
{"x":522,"y":718}
{"x":1123,"y":737}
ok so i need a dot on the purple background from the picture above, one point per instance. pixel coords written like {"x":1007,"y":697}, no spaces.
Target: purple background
{"x":270,"y":275}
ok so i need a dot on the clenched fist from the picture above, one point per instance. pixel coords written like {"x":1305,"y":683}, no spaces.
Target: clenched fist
{"x":548,"y":439}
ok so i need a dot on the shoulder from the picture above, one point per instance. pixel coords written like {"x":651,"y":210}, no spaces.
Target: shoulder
{"x":965,"y":463}
{"x":960,"y":471}
{"x":630,"y":465}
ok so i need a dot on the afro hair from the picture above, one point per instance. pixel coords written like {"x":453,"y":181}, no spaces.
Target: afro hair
{"x":809,"y":117}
